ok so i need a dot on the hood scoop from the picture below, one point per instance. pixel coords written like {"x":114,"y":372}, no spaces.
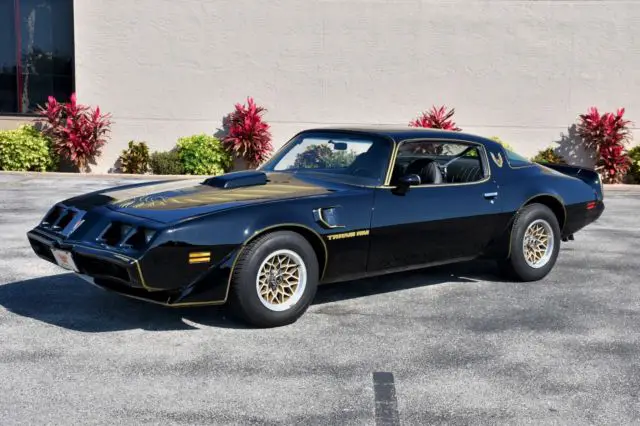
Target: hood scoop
{"x":237,"y":179}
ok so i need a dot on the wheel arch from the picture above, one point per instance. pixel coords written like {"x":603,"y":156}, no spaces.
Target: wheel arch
{"x":313,"y":238}
{"x":551,"y":201}
{"x":554,"y":203}
{"x":501,"y":247}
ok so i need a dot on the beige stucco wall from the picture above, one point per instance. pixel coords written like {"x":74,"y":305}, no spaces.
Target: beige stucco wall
{"x":521,"y":70}
{"x":12,"y":122}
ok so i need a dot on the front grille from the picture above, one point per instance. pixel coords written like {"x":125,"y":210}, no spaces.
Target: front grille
{"x":136,"y":240}
{"x":118,"y":234}
{"x":61,"y":220}
{"x":114,"y":233}
{"x":53,"y":216}
{"x":64,"y":220}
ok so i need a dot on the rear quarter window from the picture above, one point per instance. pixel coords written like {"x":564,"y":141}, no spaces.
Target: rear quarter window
{"x":516,"y":160}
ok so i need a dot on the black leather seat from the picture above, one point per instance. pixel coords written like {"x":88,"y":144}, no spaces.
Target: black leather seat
{"x":430,"y":174}
{"x":369,"y":163}
{"x":427,"y":169}
{"x":463,"y":171}
{"x":473,"y":174}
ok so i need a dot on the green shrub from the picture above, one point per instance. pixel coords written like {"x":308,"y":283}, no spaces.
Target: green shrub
{"x":203,"y":155}
{"x":166,"y":163}
{"x":633,"y":175}
{"x":548,"y":155}
{"x":135,"y":159}
{"x":504,"y":144}
{"x":26,"y":149}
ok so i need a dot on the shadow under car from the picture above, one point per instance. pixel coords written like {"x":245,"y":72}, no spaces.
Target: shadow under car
{"x":68,"y":301}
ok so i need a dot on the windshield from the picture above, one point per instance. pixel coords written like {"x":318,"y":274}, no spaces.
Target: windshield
{"x":357,"y":158}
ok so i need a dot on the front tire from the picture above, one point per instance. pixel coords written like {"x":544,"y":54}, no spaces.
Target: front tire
{"x":275,"y":279}
{"x":535,"y":244}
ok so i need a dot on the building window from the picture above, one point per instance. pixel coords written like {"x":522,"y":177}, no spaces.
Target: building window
{"x":36,"y":53}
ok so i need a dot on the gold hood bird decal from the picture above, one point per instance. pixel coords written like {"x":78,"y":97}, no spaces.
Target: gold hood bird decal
{"x":193,"y":193}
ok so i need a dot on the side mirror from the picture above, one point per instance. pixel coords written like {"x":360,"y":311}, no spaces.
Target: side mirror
{"x":406,"y":181}
{"x":409,"y":180}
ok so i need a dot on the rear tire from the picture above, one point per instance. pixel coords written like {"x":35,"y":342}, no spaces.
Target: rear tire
{"x":535,"y":243}
{"x":275,"y":280}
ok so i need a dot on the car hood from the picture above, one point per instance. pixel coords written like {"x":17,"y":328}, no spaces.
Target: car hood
{"x":169,"y":201}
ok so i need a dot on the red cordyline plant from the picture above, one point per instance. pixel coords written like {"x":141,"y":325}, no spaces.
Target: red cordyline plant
{"x":607,"y":135}
{"x":77,"y":131}
{"x":436,"y":118}
{"x":248,"y":134}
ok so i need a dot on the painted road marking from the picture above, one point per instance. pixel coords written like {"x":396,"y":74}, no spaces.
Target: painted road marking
{"x":384,"y":390}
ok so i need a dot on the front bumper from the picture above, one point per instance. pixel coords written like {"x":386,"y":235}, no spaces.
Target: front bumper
{"x":122,"y":274}
{"x":91,"y":261}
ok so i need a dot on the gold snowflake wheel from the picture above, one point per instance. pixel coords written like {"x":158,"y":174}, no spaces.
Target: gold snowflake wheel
{"x":281,"y":280}
{"x":538,"y":243}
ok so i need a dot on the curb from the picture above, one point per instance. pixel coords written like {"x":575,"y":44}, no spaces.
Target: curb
{"x":623,"y":187}
{"x":618,"y":187}
{"x":73,"y":175}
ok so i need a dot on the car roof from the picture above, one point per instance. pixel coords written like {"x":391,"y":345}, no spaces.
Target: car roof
{"x":400,"y":133}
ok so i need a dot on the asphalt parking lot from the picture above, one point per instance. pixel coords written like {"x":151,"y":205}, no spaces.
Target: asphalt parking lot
{"x":461,"y":346}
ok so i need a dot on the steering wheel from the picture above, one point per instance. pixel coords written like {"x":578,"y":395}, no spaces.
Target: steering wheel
{"x":443,"y":168}
{"x":471,"y":148}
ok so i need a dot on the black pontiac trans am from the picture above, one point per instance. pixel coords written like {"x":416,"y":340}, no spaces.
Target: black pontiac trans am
{"x":331,"y":205}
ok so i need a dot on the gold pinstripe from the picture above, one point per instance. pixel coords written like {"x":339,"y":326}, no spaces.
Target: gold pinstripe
{"x":233,"y":265}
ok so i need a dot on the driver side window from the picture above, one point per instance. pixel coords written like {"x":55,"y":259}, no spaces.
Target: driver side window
{"x":439,"y":162}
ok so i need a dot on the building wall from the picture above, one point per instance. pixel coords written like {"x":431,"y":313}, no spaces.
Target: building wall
{"x":521,"y":70}
{"x":12,"y":122}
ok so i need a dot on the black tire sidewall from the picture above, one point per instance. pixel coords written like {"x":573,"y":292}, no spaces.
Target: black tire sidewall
{"x":244,"y":279}
{"x":517,"y":260}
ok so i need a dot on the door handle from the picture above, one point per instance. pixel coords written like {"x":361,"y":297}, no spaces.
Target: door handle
{"x":490,"y":195}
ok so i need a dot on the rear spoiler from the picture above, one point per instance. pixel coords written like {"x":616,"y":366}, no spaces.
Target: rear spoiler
{"x":585,"y":174}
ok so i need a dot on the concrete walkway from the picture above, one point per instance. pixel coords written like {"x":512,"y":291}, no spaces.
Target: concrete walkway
{"x":122,"y":176}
